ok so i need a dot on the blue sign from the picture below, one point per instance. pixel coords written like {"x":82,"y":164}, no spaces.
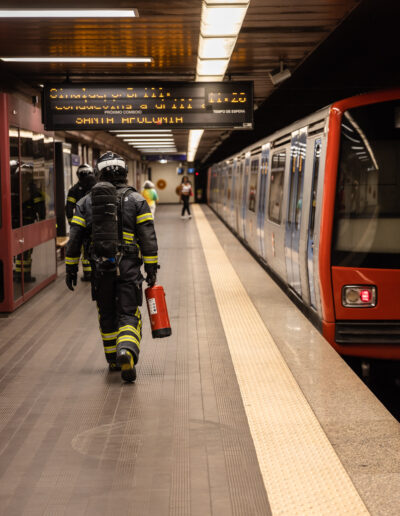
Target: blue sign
{"x":75,"y":160}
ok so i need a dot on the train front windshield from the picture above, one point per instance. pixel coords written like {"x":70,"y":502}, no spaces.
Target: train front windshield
{"x":367,"y":209}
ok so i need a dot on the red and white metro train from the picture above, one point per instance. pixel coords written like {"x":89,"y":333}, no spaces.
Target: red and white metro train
{"x":319,"y":203}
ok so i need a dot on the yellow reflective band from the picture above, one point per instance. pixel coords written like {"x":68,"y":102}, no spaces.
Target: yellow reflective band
{"x":150,"y":259}
{"x":87,"y":268}
{"x":127,"y":338}
{"x":129,"y":327}
{"x":109,"y":336}
{"x":71,"y":261}
{"x":110,"y":349}
{"x":38,"y":199}
{"x":71,"y":199}
{"x":78,"y":220}
{"x":144,"y":218}
{"x":125,"y":234}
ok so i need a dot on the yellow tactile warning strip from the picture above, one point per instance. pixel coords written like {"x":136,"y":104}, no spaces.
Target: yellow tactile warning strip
{"x":301,"y":471}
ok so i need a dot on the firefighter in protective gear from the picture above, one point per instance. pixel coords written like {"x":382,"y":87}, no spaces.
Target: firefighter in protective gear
{"x":117,"y":284}
{"x":86,"y":179}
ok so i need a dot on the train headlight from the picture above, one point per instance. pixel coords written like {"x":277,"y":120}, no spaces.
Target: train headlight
{"x":359,"y":296}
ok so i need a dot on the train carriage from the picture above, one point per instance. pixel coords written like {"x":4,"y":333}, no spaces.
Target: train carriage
{"x":318,"y":203}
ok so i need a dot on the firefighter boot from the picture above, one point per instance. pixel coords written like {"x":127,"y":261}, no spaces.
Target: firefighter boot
{"x":113,"y":366}
{"x":127,"y":363}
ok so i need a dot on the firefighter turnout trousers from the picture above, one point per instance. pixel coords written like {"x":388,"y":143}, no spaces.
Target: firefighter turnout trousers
{"x":118,"y":298}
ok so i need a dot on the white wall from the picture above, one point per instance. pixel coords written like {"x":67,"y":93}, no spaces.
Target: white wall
{"x":166,"y":172}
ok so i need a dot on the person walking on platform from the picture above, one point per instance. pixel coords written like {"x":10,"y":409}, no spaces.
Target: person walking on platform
{"x":186,"y":193}
{"x":119,"y":223}
{"x":150,"y":194}
{"x":86,"y":179}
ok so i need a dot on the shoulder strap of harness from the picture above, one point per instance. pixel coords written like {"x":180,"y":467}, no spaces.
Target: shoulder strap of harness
{"x":121,"y":197}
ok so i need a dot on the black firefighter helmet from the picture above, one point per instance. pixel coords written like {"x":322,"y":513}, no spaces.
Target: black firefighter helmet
{"x":86,"y":176}
{"x":111,"y":167}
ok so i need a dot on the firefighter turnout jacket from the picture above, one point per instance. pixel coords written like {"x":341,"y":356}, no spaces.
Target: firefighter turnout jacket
{"x":118,"y":289}
{"x":75,"y":194}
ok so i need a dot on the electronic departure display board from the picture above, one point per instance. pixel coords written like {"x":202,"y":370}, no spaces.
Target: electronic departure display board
{"x":189,"y":105}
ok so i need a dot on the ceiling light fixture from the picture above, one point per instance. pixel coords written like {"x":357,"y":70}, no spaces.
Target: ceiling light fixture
{"x":69,"y":13}
{"x":221,"y":21}
{"x":222,"y":18}
{"x":145,"y":140}
{"x":144,"y":131}
{"x":212,"y":66}
{"x":216,"y":48}
{"x":77,"y":59}
{"x":194,"y":140}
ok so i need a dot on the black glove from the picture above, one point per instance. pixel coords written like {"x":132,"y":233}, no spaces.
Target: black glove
{"x":71,"y":276}
{"x":151,"y":270}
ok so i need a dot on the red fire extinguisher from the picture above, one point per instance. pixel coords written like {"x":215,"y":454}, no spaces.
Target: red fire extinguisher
{"x":158,"y":313}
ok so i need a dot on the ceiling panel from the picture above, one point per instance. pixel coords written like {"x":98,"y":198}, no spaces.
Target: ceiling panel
{"x":167,"y":31}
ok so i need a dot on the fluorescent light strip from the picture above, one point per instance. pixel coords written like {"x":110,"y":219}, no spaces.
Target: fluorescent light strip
{"x":69,"y":13}
{"x":221,"y":21}
{"x":150,"y":135}
{"x":77,"y":59}
{"x":212,"y":66}
{"x":143,"y":146}
{"x":194,"y":140}
{"x":150,"y":140}
{"x":140,"y":131}
{"x":216,"y":48}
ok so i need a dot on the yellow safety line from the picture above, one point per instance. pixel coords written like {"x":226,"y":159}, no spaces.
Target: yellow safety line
{"x":302,"y":473}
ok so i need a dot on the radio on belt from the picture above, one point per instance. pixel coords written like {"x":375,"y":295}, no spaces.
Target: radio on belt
{"x":158,"y":313}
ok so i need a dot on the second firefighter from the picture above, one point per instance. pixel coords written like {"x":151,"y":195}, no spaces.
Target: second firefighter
{"x":86,"y":179}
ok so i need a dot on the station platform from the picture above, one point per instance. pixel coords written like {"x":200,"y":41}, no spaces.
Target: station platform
{"x":244,"y":410}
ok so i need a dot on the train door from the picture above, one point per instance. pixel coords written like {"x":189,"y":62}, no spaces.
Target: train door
{"x":311,"y":226}
{"x":293,"y":219}
{"x":251,"y":204}
{"x":238,"y":192}
{"x":229,"y":195}
{"x":262,"y":198}
{"x":224,"y":190}
{"x":232,"y":214}
{"x":243,"y":201}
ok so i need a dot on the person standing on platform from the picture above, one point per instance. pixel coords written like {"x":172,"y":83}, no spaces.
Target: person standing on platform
{"x":86,"y":179}
{"x":150,"y":194}
{"x":186,"y":193}
{"x":117,"y":282}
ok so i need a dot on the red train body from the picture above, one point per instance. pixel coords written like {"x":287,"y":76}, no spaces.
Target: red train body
{"x":319,"y":203}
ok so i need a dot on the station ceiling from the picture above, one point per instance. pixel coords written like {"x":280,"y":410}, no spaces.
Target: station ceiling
{"x":287,"y":31}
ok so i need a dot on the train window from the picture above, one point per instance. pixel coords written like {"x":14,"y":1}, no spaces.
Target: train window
{"x":367,"y":209}
{"x":299,"y":193}
{"x":253,"y":185}
{"x":278,"y":163}
{"x":229,"y":182}
{"x":239,"y":170}
{"x":317,"y":155}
